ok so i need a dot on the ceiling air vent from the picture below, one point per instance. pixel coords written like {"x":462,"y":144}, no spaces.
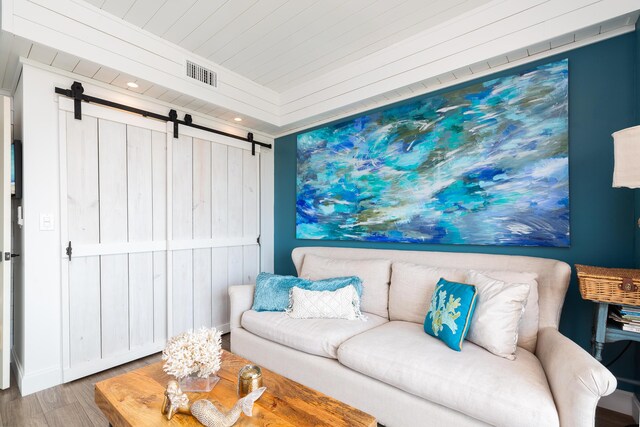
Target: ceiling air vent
{"x":202,"y":74}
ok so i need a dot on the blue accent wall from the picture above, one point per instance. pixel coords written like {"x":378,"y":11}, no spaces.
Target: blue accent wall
{"x":603,"y":98}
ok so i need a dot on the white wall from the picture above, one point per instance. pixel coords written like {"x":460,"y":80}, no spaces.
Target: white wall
{"x":39,"y":361}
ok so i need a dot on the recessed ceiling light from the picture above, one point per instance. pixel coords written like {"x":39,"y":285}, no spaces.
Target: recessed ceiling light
{"x":238,"y":119}
{"x":132,"y":84}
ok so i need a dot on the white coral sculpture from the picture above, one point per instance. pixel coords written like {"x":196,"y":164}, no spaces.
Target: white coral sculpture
{"x":193,"y":353}
{"x":442,"y":314}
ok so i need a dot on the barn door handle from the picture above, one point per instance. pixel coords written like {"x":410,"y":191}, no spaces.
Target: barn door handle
{"x":69,"y":250}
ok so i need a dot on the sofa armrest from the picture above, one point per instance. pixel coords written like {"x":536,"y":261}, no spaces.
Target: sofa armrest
{"x":241,"y":300}
{"x":577,"y":380}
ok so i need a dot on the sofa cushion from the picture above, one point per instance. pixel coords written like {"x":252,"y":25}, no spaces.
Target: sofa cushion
{"x":528,"y":329}
{"x":375,"y":275}
{"x":475,"y":382}
{"x":412,"y":287}
{"x":321,"y":337}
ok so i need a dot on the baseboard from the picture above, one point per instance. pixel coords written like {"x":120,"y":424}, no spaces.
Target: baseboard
{"x":620,"y":401}
{"x":36,"y":381}
{"x":94,"y":366}
{"x":224,"y":328}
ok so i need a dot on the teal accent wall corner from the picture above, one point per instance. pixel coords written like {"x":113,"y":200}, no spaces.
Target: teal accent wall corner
{"x":602,"y":99}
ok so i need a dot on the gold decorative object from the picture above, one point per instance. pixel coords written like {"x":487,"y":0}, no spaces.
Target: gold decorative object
{"x":175,"y":401}
{"x":249,"y":379}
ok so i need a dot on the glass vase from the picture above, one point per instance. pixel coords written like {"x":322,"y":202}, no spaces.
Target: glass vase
{"x":193,"y":383}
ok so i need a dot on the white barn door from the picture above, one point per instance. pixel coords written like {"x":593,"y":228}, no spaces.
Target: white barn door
{"x":154,"y":230}
{"x":114,"y":273}
{"x":215,"y":226}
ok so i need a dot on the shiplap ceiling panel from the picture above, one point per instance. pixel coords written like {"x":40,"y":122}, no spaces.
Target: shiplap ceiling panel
{"x":259,"y":30}
{"x":96,"y":3}
{"x":143,"y":10}
{"x":320,"y":36}
{"x":194,"y":17}
{"x":118,"y":8}
{"x":363,"y":41}
{"x":223,"y":22}
{"x":143,"y":86}
{"x":331,"y":23}
{"x":65,"y":61}
{"x":236,"y":25}
{"x":167,"y":15}
{"x":155,"y":91}
{"x":106,"y":75}
{"x":84,"y":67}
{"x":281,"y":43}
{"x":43,"y":54}
{"x":281,"y":35}
{"x":122,"y":80}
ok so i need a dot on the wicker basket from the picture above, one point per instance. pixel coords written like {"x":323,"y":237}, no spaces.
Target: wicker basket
{"x":616,"y":285}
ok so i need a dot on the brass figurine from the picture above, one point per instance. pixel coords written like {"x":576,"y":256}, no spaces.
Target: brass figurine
{"x":175,"y":400}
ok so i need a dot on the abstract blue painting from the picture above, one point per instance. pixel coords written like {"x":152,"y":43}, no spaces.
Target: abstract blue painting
{"x":486,"y":164}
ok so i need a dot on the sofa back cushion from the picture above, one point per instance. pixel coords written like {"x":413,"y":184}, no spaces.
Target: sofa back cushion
{"x":374,"y":273}
{"x":552,"y":282}
{"x":412,"y":287}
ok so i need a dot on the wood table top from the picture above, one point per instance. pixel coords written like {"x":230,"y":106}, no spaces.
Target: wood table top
{"x":135,"y":399}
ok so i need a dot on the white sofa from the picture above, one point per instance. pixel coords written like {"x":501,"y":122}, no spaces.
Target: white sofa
{"x":397,"y":373}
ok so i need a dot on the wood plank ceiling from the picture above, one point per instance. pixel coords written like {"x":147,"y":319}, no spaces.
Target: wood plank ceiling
{"x":289,"y":47}
{"x":283,"y":43}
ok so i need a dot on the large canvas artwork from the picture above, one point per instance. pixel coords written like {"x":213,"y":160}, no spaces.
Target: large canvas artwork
{"x":486,"y":164}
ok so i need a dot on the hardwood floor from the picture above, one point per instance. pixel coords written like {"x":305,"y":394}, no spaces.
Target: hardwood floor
{"x":607,"y":418}
{"x":72,"y":405}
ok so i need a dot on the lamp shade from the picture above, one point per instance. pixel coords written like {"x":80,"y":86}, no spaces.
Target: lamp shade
{"x":626,"y":153}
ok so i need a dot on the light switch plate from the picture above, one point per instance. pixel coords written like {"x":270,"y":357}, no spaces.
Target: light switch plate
{"x":46,"y":222}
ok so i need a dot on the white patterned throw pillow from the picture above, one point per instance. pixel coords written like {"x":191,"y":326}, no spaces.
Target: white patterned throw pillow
{"x":343,"y":303}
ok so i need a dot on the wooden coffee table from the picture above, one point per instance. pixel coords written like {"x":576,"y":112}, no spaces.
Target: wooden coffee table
{"x":135,"y":398}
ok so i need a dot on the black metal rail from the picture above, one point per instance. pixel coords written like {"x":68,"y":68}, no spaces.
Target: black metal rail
{"x":77,"y":94}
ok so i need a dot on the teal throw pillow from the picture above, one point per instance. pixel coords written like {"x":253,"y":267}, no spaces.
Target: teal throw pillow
{"x":450,"y":313}
{"x":272,"y":290}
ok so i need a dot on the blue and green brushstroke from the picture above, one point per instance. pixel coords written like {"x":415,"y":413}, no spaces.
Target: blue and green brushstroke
{"x":486,"y":165}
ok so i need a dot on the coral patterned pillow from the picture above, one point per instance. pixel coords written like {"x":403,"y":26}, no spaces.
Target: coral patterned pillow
{"x":343,"y":303}
{"x":450,"y":312}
